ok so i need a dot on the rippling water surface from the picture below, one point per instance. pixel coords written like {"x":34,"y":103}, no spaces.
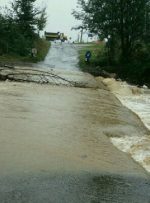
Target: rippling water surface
{"x":137,"y":100}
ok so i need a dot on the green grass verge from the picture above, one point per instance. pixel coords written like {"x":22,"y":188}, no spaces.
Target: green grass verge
{"x":95,"y":49}
{"x":42,"y":47}
{"x":99,"y":58}
{"x":137,"y":71}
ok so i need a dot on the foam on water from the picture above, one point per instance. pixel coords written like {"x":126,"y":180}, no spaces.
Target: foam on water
{"x":140,"y":104}
{"x":138,"y":100}
{"x":137,"y":147}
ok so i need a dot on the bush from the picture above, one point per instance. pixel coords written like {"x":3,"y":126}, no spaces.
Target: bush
{"x":42,"y":49}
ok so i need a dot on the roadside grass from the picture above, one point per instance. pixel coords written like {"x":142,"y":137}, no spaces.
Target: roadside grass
{"x":42,"y":47}
{"x":98,"y":59}
{"x":136,"y":71}
{"x":95,"y":49}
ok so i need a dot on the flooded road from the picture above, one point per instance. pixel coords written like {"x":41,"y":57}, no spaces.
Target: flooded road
{"x":55,"y":145}
{"x":61,"y":56}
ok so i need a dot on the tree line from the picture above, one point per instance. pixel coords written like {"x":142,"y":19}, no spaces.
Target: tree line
{"x":124,"y":23}
{"x":20,"y":26}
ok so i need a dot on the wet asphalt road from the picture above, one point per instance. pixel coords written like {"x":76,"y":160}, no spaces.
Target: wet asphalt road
{"x":54,"y":148}
{"x":69,"y":188}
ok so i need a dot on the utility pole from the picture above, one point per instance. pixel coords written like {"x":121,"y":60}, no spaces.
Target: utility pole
{"x":78,"y":38}
{"x":81,"y":39}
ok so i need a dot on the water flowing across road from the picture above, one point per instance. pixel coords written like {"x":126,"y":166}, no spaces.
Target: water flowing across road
{"x":55,"y":141}
{"x":63,"y":56}
{"x":138,"y":101}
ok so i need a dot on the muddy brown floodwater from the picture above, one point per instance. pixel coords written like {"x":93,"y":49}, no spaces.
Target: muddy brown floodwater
{"x":55,"y":146}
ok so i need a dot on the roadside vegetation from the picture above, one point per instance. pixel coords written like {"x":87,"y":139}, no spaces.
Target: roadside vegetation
{"x":20,"y":27}
{"x":125,"y":28}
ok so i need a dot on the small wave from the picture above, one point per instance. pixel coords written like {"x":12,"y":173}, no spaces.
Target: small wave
{"x":137,"y":147}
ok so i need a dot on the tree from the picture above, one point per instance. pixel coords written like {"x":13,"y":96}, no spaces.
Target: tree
{"x":147,"y":23}
{"x":19,"y":27}
{"x":30,"y":19}
{"x":3,"y":27}
{"x":25,"y":16}
{"x":124,"y":22}
{"x":41,"y":21}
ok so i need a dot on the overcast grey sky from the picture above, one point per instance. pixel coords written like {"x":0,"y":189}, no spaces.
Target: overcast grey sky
{"x":59,"y":15}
